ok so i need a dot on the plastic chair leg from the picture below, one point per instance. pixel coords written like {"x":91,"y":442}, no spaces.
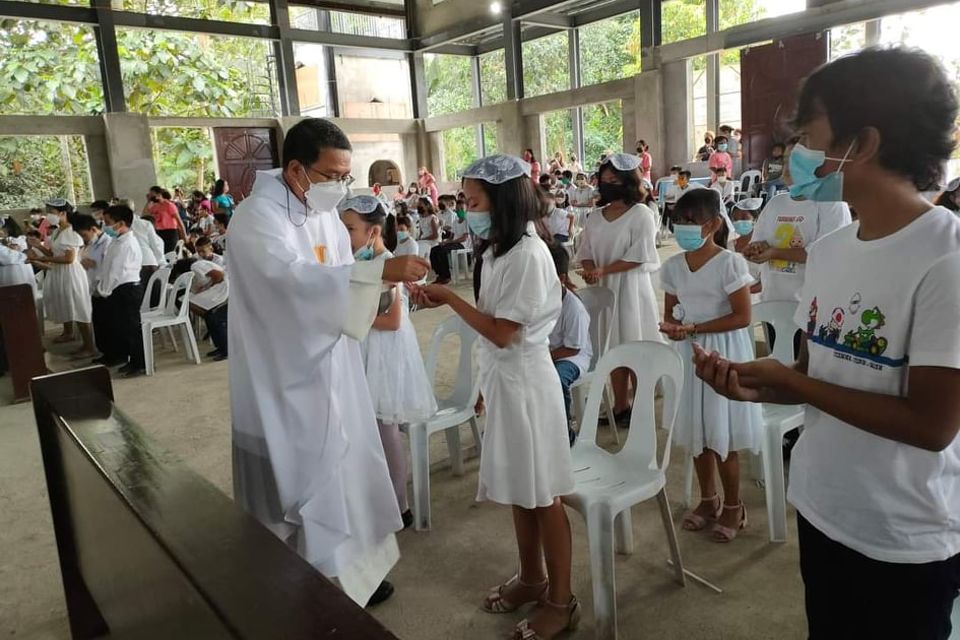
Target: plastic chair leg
{"x":455,"y":449}
{"x":477,"y":436}
{"x":688,"y":482}
{"x":454,"y":267}
{"x":578,"y":402}
{"x":420,"y":467}
{"x":600,"y":534}
{"x":756,"y":467}
{"x":667,"y":518}
{"x":774,"y":484}
{"x":173,"y":338}
{"x":190,"y":342}
{"x":611,"y":416}
{"x":623,"y":532}
{"x":147,"y":333}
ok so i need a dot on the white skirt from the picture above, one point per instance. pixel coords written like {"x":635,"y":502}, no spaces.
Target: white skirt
{"x":401,"y":391}
{"x":707,"y":420}
{"x":66,"y":294}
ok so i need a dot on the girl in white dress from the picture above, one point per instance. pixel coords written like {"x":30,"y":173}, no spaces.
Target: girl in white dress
{"x":618,"y":250}
{"x":406,"y":243}
{"x":66,"y":291}
{"x":525,"y":458}
{"x":429,"y":226}
{"x":398,"y":382}
{"x":707,"y":299}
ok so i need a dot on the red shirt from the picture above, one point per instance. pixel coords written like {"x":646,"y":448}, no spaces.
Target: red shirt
{"x":164,"y":215}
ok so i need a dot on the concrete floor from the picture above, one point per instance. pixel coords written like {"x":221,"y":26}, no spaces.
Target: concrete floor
{"x":444,"y":574}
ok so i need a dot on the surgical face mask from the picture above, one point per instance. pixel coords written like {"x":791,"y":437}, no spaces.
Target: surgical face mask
{"x":610,"y":192}
{"x":110,"y":231}
{"x":743,"y":227}
{"x":689,"y":236}
{"x":721,"y":179}
{"x":479,"y":223}
{"x":323,"y":197}
{"x":581,"y":183}
{"x":722,"y":146}
{"x":402,"y":236}
{"x":53,"y":219}
{"x":364,"y":253}
{"x":807,"y":184}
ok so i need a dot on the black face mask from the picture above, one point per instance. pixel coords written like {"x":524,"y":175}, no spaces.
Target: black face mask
{"x":610,"y":192}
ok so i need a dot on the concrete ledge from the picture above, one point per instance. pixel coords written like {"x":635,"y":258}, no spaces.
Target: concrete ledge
{"x":51,"y":125}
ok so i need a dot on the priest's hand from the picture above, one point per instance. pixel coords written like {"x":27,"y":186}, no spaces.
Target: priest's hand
{"x":405,"y":269}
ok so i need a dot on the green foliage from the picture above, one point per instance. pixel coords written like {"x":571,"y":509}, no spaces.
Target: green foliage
{"x":459,"y":150}
{"x":610,"y":49}
{"x":184,"y":157}
{"x":685,"y":19}
{"x":449,"y":85}
{"x":227,"y":10}
{"x":493,"y":78}
{"x":558,"y":127}
{"x":36,"y":168}
{"x":490,"y":145}
{"x":546,"y":65}
{"x":602,"y":131}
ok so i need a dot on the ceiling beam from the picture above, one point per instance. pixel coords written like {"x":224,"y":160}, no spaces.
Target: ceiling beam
{"x":528,"y":34}
{"x":610,"y":10}
{"x":350,"y":41}
{"x":553,"y":20}
{"x":357,"y":6}
{"x":37,"y":11}
{"x":197,"y":25}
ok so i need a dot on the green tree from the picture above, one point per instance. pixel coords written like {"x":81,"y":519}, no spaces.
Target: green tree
{"x":449,"y":85}
{"x":546,"y":65}
{"x":493,"y":77}
{"x":685,"y":19}
{"x":610,"y":49}
{"x":602,"y":131}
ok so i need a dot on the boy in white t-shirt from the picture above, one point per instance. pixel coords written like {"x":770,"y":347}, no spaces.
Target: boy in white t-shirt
{"x":570,"y":345}
{"x":875,"y":476}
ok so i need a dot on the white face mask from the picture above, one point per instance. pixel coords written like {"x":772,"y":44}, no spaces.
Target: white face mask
{"x":323,"y":197}
{"x":53,"y":219}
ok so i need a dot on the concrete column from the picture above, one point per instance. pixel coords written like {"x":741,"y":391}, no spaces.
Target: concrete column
{"x":628,"y":115}
{"x":677,"y":114}
{"x":536,"y":138}
{"x":130,"y":154}
{"x":511,"y":133}
{"x":648,"y":108}
{"x":100,"y":178}
{"x":411,"y":158}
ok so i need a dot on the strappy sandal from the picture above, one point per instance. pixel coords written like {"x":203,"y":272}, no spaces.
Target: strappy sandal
{"x":63,"y":339}
{"x":695,"y":522}
{"x":495,"y":602}
{"x":524,"y":631}
{"x":723,"y":534}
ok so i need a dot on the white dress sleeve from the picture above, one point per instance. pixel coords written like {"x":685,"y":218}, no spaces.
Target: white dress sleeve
{"x":668,"y":279}
{"x":524,"y":285}
{"x":736,"y":273}
{"x":643,"y":239}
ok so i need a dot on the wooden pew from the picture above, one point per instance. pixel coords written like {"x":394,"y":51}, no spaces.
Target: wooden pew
{"x":21,"y":337}
{"x":149,"y":549}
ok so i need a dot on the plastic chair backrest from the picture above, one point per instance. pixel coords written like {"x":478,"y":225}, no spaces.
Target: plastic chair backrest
{"x":651,"y":362}
{"x":159,"y":278}
{"x":467,"y":383}
{"x":780,"y":315}
{"x":749,"y":181}
{"x":599,"y":302}
{"x":182,"y":283}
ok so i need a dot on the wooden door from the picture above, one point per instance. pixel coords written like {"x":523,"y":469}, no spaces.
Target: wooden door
{"x":241,"y":152}
{"x":770,"y":77}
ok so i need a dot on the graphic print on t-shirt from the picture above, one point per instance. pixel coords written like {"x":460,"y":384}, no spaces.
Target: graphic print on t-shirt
{"x":862,"y":342}
{"x":787,"y":236}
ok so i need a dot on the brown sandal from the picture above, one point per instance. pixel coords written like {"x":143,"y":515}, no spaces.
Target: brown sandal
{"x":695,"y":522}
{"x":723,"y":534}
{"x":496,"y":603}
{"x":524,"y":631}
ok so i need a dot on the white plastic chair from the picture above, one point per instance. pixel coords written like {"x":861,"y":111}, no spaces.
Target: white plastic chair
{"x":458,"y":258}
{"x":608,"y":485}
{"x":749,"y":184}
{"x":599,"y":302}
{"x":41,"y":317}
{"x":453,"y":411}
{"x":171,"y":317}
{"x":777,"y":421}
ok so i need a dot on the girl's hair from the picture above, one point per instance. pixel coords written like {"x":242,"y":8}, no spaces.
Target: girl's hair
{"x":161,"y":192}
{"x":945,"y":199}
{"x":513,"y":204}
{"x":426,"y":203}
{"x":643,"y":145}
{"x":402,"y":219}
{"x":902,"y":93}
{"x":401,"y":209}
{"x":533,"y":158}
{"x":632,"y":189}
{"x":379,"y":218}
{"x":218,"y":187}
{"x":12,"y":228}
{"x":702,"y":206}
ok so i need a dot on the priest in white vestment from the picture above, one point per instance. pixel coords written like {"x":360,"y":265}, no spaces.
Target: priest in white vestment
{"x":307,"y":457}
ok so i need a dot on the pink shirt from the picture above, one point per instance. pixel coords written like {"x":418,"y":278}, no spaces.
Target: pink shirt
{"x":721,"y":159}
{"x":164,"y":214}
{"x":646,"y":164}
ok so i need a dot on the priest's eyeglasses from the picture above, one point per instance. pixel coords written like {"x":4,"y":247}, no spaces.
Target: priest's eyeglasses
{"x":345,"y":180}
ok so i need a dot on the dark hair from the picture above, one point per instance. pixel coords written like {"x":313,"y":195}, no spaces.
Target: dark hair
{"x":33,"y":233}
{"x":222,"y":218}
{"x":630,"y":180}
{"x":946,"y":199}
{"x":309,"y":137}
{"x":513,"y":204}
{"x":719,"y":169}
{"x":781,"y":145}
{"x":725,"y":127}
{"x":561,"y":259}
{"x":203,"y":241}
{"x":545,"y":180}
{"x":12,"y":227}
{"x":425,"y":201}
{"x":378,"y":217}
{"x":120,"y":213}
{"x":916,"y":127}
{"x":676,"y":167}
{"x":686,"y":174}
{"x":720,"y":140}
{"x":702,"y":206}
{"x":99,"y":205}
{"x":218,"y":187}
{"x":84,"y":222}
{"x":567,"y":174}
{"x":533,"y":157}
{"x":643,"y":144}
{"x":66,"y":208}
{"x":401,"y":209}
{"x":198,"y":196}
{"x":402,"y":219}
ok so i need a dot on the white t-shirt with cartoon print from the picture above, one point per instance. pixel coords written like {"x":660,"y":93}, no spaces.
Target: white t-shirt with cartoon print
{"x":871,"y":310}
{"x":786,"y":223}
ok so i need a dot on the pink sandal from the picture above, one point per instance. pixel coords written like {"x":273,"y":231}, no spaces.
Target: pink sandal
{"x":720,"y":533}
{"x":496,"y":603}
{"x":524,"y":631}
{"x":695,"y":522}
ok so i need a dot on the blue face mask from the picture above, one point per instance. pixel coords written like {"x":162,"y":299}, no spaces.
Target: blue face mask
{"x":479,"y":223}
{"x":110,"y":231}
{"x":689,"y":236}
{"x":722,"y":146}
{"x":364,"y":253}
{"x":743,"y":227}
{"x":402,"y":236}
{"x":804,"y":163}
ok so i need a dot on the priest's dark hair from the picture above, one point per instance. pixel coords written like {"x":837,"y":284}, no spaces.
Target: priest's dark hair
{"x":513,"y":204}
{"x":309,"y":137}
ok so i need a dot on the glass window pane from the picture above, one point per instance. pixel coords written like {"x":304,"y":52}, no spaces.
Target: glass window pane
{"x":698,"y":81}
{"x":373,"y":87}
{"x":311,"y":79}
{"x":377,"y":157}
{"x":49,"y":68}
{"x":546,"y":65}
{"x":734,"y":12}
{"x":602,"y":131}
{"x":361,"y":24}
{"x":490,"y":144}
{"x":184,"y":157}
{"x":233,"y":11}
{"x":847,"y":39}
{"x":171,"y":73}
{"x":39,"y":167}
{"x":558,"y":126}
{"x":610,"y":49}
{"x":493,"y":78}
{"x":459,"y":147}
{"x":683,"y":19}
{"x":449,"y":84}
{"x":730,"y":88}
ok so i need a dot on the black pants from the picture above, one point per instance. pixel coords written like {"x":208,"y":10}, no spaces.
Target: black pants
{"x":440,"y":259}
{"x":103,"y":332}
{"x":849,"y":595}
{"x":216,"y":320}
{"x":124,"y":334}
{"x":170,"y":238}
